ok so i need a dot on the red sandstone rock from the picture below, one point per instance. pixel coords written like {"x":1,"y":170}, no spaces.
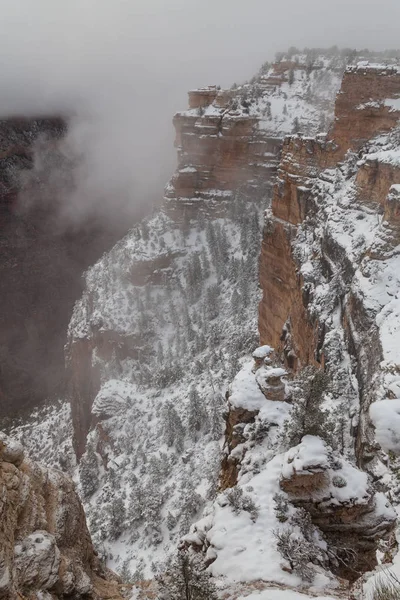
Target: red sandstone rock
{"x":360,"y":110}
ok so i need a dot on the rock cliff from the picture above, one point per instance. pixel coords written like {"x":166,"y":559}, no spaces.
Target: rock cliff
{"x":229,"y":144}
{"x":328,"y":230}
{"x":229,"y":141}
{"x":45,"y":546}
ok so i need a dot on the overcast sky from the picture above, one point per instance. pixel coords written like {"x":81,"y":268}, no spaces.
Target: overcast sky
{"x":124,"y":66}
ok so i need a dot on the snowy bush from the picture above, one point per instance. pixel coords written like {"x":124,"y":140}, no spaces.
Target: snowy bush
{"x":339,"y":481}
{"x":239,"y":501}
{"x":297,"y":552}
{"x":299,"y":544}
{"x":281,"y":508}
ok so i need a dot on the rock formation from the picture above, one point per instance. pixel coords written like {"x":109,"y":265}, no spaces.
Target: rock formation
{"x":45,"y":546}
{"x":312,"y":205}
{"x":229,"y":141}
{"x":229,"y":144}
{"x":341,"y":503}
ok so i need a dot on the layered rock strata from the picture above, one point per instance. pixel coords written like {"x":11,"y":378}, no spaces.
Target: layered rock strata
{"x":327,"y":230}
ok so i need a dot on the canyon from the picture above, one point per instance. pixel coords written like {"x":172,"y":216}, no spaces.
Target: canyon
{"x":43,"y":258}
{"x":243,"y":405}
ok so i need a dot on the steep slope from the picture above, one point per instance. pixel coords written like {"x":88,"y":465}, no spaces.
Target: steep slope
{"x":222,"y":167}
{"x":340,"y":239}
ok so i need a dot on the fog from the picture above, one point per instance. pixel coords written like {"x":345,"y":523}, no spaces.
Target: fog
{"x":121,"y":68}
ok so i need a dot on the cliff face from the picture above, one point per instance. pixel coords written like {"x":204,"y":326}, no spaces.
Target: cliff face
{"x":229,"y":141}
{"x":229,"y":144}
{"x":329,"y":273}
{"x":367,"y":105}
{"x":42,"y":260}
{"x":45,"y":546}
{"x":328,"y":230}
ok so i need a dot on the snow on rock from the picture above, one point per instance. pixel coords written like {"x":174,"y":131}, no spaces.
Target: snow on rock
{"x":262,"y":352}
{"x":385,"y":416}
{"x":282,"y":594}
{"x":37,"y":560}
{"x":271,"y":384}
{"x":47,"y":428}
{"x":113,"y":397}
{"x":11,"y":450}
{"x":388,"y":321}
{"x":312,"y":470}
{"x":245,"y":392}
{"x":391,"y":157}
{"x":311,"y":455}
{"x":246,"y":549}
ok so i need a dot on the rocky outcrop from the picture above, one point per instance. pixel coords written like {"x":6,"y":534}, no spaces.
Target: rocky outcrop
{"x":218,"y":154}
{"x":236,"y":419}
{"x":45,"y":546}
{"x":229,"y":141}
{"x":341,"y":502}
{"x":299,"y":166}
{"x":368,"y":105}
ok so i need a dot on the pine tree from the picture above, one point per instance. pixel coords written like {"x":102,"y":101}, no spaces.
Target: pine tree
{"x":235,"y":302}
{"x":205,"y":263}
{"x":171,"y":521}
{"x":187,"y":324}
{"x":117,"y":515}
{"x":136,"y":505}
{"x":89,"y":472}
{"x":186,"y":579}
{"x":172,"y":428}
{"x":212,"y":302}
{"x":197,"y":416}
{"x":125,"y":573}
{"x":296,"y":125}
